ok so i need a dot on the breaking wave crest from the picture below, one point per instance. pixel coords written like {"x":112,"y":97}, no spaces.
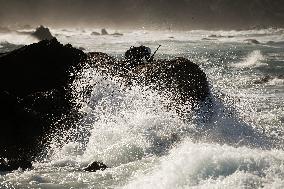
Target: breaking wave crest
{"x":205,"y":165}
{"x":253,"y":59}
{"x":138,"y":129}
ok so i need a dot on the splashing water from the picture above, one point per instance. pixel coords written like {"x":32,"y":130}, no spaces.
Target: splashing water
{"x":137,"y":132}
{"x":254,"y":59}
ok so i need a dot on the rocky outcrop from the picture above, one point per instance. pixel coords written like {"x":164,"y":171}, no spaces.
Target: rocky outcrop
{"x":10,"y":165}
{"x":251,"y":41}
{"x":42,"y":33}
{"x":180,"y":76}
{"x":263,"y":80}
{"x":35,"y":95}
{"x":117,"y":34}
{"x":36,"y":98}
{"x":95,"y":166}
{"x":95,"y":33}
{"x":104,"y":32}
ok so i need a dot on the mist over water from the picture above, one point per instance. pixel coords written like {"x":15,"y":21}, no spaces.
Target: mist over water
{"x":163,"y":14}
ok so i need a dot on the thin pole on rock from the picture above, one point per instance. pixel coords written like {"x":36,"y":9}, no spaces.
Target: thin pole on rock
{"x":152,"y":57}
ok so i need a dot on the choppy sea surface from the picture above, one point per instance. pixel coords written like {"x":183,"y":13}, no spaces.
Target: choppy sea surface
{"x":149,"y":146}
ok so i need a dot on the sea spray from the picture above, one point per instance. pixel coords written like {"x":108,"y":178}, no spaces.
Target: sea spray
{"x":254,"y":59}
{"x":201,"y":154}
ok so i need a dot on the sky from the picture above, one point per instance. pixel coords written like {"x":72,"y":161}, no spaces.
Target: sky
{"x":174,"y":14}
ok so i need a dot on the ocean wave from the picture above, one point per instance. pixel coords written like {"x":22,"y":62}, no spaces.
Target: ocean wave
{"x":138,"y":134}
{"x":124,"y":125}
{"x":206,"y":165}
{"x":253,"y":59}
{"x":270,"y":80}
{"x":17,"y":39}
{"x":276,"y":81}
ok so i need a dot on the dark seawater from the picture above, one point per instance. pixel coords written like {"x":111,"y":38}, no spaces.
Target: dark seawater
{"x":132,"y":132}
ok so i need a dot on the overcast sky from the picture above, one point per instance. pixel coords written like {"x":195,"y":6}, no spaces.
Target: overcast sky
{"x":180,"y":14}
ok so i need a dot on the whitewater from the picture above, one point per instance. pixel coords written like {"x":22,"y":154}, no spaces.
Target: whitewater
{"x":145,"y":142}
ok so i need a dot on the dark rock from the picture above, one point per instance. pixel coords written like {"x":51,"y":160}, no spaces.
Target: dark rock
{"x":183,"y":79}
{"x":251,"y":41}
{"x":96,"y":166}
{"x":82,"y":48}
{"x":215,"y":36}
{"x":95,"y":33}
{"x":38,"y":67}
{"x":104,"y":32}
{"x":270,"y":42}
{"x":263,"y":80}
{"x":10,"y":165}
{"x":208,"y":39}
{"x":35,"y":91}
{"x":42,"y":33}
{"x":26,"y":26}
{"x":117,"y":34}
{"x":280,"y":77}
{"x":35,"y":96}
{"x":179,"y":76}
{"x":135,"y":55}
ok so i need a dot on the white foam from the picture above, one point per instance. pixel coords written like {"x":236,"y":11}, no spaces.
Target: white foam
{"x":276,"y":81}
{"x":137,"y":132}
{"x":200,"y":165}
{"x":253,"y":59}
{"x":17,"y":39}
{"x":125,"y":125}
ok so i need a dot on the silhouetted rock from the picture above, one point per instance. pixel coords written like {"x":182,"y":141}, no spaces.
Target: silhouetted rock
{"x":36,"y":100}
{"x":35,"y":96}
{"x":95,"y":33}
{"x":96,"y":166}
{"x":263,"y":80}
{"x":10,"y":165}
{"x":251,"y":41}
{"x":208,"y":39}
{"x":42,"y":33}
{"x":81,"y":48}
{"x":135,"y":55}
{"x":215,"y":36}
{"x":179,"y":75}
{"x":104,"y":32}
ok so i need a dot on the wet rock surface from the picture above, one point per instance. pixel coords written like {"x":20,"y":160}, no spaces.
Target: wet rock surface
{"x":179,"y":75}
{"x":104,"y":32}
{"x":42,"y":33}
{"x":95,"y":166}
{"x":10,"y":165}
{"x":36,"y":97}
